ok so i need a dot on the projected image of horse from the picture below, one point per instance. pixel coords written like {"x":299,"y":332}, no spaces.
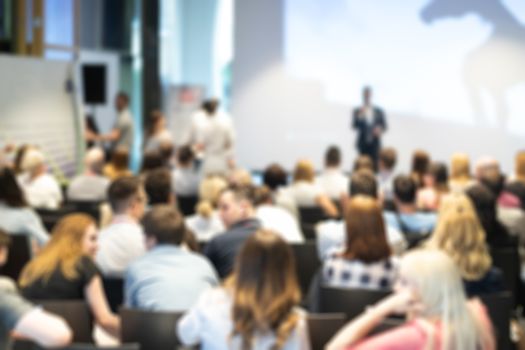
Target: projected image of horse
{"x":496,"y":65}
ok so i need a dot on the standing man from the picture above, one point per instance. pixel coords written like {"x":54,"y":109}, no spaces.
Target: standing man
{"x":122,"y":133}
{"x":370,"y":123}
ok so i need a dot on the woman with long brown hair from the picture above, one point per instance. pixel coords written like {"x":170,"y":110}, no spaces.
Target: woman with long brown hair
{"x":366,"y":261}
{"x":65,"y":269}
{"x":257,"y":306}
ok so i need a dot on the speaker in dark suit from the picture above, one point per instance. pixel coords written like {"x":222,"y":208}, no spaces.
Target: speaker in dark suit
{"x":370,"y":123}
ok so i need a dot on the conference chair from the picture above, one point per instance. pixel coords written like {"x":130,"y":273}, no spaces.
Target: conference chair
{"x":50,"y":217}
{"x":309,"y":232}
{"x":151,"y":329}
{"x":350,"y":301}
{"x":19,"y":256}
{"x":311,"y":215}
{"x":508,"y":261}
{"x":306,"y":263}
{"x":114,"y":290}
{"x":322,"y":327}
{"x":499,"y":307}
{"x":187,"y":204}
{"x":91,"y":208}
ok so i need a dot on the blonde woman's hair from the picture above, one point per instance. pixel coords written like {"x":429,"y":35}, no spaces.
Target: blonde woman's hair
{"x":210,"y":190}
{"x":520,"y":166}
{"x":460,"y":167}
{"x":459,"y":234}
{"x":438,"y":284}
{"x":304,"y":171}
{"x":63,"y":251}
{"x":265,"y":290}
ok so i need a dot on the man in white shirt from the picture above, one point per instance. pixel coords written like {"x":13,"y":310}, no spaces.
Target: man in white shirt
{"x":212,"y":134}
{"x":333,"y":182}
{"x":122,"y":241}
{"x":41,"y":189}
{"x":91,"y":185}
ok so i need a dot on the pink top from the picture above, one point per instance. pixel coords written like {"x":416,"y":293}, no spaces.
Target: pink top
{"x":413,"y":335}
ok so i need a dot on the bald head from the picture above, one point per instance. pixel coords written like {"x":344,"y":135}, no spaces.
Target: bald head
{"x":485,"y":166}
{"x":94,"y":160}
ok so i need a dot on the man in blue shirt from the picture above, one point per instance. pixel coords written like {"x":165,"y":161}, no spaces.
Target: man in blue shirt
{"x":407,"y":219}
{"x":168,"y":277}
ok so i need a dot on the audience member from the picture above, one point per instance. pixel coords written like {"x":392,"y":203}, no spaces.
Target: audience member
{"x":306,"y":193}
{"x":167,"y":277}
{"x":65,"y":269}
{"x":420,"y":164}
{"x":484,"y":202}
{"x":256,"y":308}
{"x":276,"y":179}
{"x":406,"y":218}
{"x":19,"y":157}
{"x":16,"y":217}
{"x":435,"y":186}
{"x":40,"y":188}
{"x":91,"y":185}
{"x":6,"y":283}
{"x":332,"y":180}
{"x":385,"y":177}
{"x":151,"y":160}
{"x":240,"y":177}
{"x":331,"y":234}
{"x":206,"y":223}
{"x":460,"y":178}
{"x":158,"y":132}
{"x":119,"y":165}
{"x":275,"y":218}
{"x":186,"y":177}
{"x":122,"y":240}
{"x":430,"y":293}
{"x":158,"y":187}
{"x":121,"y":136}
{"x":23,"y":320}
{"x":517,"y":185}
{"x":212,"y":136}
{"x":366,"y":261}
{"x":236,"y":209}
{"x":460,"y":234}
{"x":363,"y":162}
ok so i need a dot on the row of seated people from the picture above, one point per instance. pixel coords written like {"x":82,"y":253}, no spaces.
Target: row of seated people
{"x":258,"y":303}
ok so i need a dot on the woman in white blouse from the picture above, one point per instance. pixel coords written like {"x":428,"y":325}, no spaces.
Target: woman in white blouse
{"x":257,"y":306}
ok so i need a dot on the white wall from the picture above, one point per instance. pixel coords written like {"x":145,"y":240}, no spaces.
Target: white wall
{"x":36,"y":107}
{"x":280,"y":118}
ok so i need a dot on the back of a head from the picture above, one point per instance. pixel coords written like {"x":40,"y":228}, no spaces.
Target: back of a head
{"x":304,"y":171}
{"x":363,"y":182}
{"x":265,"y":288}
{"x":243,"y":193}
{"x":165,"y":224}
{"x":33,"y":159}
{"x":64,"y":249}
{"x":151,"y":160}
{"x":363,"y":162}
{"x":275,"y":176}
{"x":94,"y":160}
{"x":484,"y":165}
{"x":158,"y":186}
{"x":120,"y":158}
{"x":263,"y":195}
{"x":438,"y":284}
{"x":185,"y":155}
{"x":520,"y":166}
{"x":122,"y":192}
{"x":459,"y":233}
{"x":388,"y":158}
{"x":332,"y":157}
{"x":240,"y":177}
{"x":439,"y":172}
{"x":420,"y":161}
{"x":494,"y":180}
{"x":210,"y":106}
{"x":210,"y":190}
{"x":460,"y":166}
{"x":11,"y":194}
{"x":405,"y":189}
{"x":365,"y":230}
{"x":5,"y":239}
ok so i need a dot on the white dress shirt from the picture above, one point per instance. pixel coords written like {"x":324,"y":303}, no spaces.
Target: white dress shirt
{"x":120,"y":243}
{"x":333,"y":182}
{"x":205,"y":228}
{"x":281,"y":221}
